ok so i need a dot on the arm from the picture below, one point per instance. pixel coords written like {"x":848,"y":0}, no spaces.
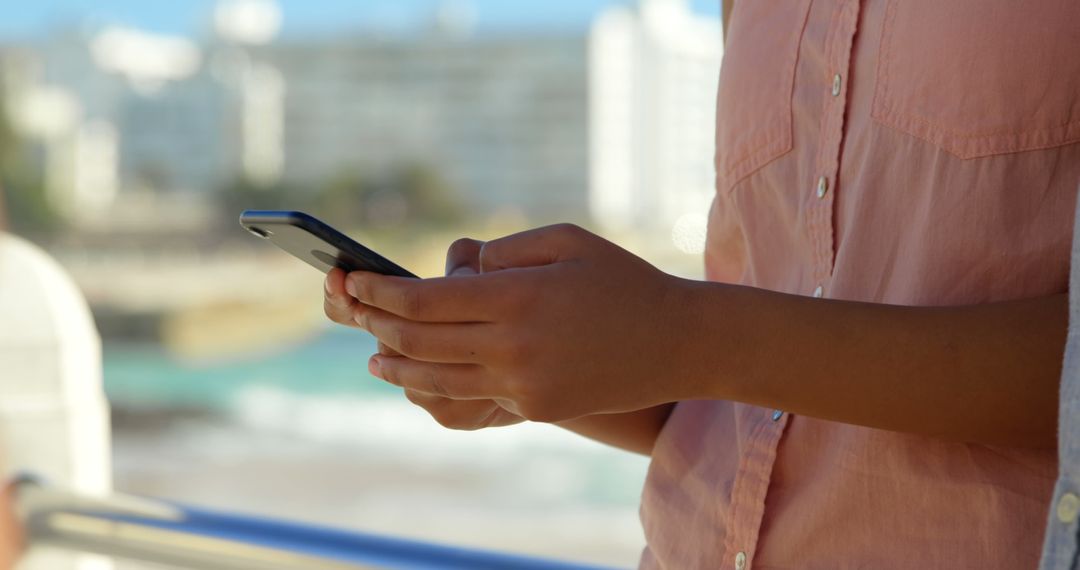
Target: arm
{"x":983,"y":373}
{"x":631,"y":431}
{"x":561,"y":324}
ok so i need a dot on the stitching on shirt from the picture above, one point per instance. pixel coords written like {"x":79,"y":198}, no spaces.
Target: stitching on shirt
{"x":830,"y":51}
{"x":850,"y":15}
{"x":889,"y":109}
{"x":884,"y":110}
{"x":741,"y":474}
{"x":768,"y":147}
{"x":818,"y":217}
{"x":884,"y":55}
{"x":986,"y":150}
{"x":783,"y":144}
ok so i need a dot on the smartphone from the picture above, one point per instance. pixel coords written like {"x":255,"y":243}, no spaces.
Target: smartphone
{"x":316,"y":243}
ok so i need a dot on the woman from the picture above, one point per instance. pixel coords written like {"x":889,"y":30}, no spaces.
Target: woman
{"x":869,"y":377}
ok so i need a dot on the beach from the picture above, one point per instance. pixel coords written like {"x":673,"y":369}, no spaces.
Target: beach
{"x":305,"y":434}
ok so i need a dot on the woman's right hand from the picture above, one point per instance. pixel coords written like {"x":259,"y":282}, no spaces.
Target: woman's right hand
{"x":463,"y":257}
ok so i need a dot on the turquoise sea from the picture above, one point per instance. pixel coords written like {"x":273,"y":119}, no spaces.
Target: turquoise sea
{"x":333,"y":362}
{"x":311,"y":412}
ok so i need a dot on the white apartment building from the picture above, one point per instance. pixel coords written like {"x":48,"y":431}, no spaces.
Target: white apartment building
{"x":653,"y":72}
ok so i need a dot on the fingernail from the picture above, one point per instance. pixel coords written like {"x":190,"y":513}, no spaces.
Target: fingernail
{"x":326,"y":285}
{"x":350,"y":286}
{"x":462,"y":270}
{"x":375,"y":367}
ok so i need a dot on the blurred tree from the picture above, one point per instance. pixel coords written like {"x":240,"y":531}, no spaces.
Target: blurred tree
{"x":243,"y":195}
{"x":342,"y":199}
{"x":412,"y":193}
{"x":27,"y":207}
{"x":430,"y":198}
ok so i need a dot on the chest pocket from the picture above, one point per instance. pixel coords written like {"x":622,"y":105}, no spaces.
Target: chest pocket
{"x":756,"y":81}
{"x":981,"y":77}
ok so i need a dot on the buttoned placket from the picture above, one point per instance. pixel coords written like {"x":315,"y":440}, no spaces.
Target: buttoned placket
{"x":820,"y":210}
{"x":755,"y":465}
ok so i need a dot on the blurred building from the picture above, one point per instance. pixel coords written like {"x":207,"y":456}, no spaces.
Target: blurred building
{"x":653,"y":75}
{"x":616,"y":122}
{"x":503,"y":119}
{"x":131,"y":124}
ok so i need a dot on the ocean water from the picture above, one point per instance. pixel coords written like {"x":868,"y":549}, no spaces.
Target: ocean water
{"x":306,"y":433}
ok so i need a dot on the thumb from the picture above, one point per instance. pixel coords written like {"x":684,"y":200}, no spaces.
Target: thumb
{"x":463,"y":257}
{"x":532,"y":248}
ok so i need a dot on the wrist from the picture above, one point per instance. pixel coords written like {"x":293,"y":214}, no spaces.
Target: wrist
{"x":718,"y":340}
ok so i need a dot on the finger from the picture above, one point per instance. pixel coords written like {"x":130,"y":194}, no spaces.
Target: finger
{"x":337,"y":303}
{"x":463,"y":257}
{"x":449,"y":343}
{"x":440,"y":300}
{"x":466,"y":415}
{"x":532,"y":248}
{"x":387,"y":351}
{"x":431,"y":402}
{"x":454,"y":381}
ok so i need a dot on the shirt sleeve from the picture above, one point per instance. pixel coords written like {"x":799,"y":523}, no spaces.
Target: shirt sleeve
{"x":1063,"y":531}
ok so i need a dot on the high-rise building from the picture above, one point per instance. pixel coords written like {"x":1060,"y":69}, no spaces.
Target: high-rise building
{"x":130,"y":122}
{"x":653,"y":72}
{"x":615,"y":124}
{"x":503,"y":119}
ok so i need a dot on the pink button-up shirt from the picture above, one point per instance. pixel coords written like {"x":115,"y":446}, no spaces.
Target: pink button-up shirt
{"x":915,"y":152}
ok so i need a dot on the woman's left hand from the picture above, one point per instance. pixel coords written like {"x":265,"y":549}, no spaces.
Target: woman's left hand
{"x":559,"y":324}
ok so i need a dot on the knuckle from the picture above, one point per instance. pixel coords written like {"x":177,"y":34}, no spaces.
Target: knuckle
{"x":405,"y":340}
{"x":415,"y":397}
{"x":330,"y":310}
{"x":437,"y":383}
{"x":335,"y":314}
{"x":362,"y":320}
{"x":390,"y":374}
{"x":362,"y":287}
{"x":411,"y":302}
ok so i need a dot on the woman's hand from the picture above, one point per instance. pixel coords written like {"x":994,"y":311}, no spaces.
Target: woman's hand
{"x":559,"y":324}
{"x":340,"y":307}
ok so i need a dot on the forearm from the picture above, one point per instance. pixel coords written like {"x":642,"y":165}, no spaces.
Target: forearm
{"x":632,"y":431}
{"x":984,"y":373}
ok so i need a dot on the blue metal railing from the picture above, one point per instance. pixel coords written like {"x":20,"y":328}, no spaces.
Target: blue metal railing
{"x":164,"y":533}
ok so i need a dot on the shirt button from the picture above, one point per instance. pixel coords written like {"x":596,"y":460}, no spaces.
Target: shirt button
{"x":822,"y":187}
{"x":740,"y":561}
{"x":836,"y":82}
{"x":819,"y":292}
{"x":777,"y":414}
{"x":1068,"y":508}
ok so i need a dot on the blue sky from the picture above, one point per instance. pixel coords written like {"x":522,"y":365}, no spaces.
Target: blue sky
{"x":27,"y":19}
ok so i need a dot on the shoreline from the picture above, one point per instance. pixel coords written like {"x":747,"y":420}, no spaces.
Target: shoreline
{"x":205,"y":460}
